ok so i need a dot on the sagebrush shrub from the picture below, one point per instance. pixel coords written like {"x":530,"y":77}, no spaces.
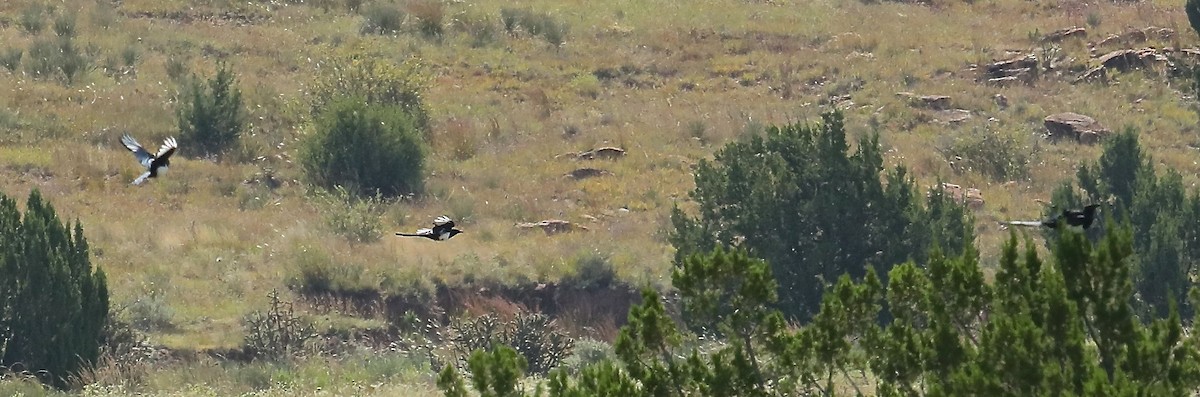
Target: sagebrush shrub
{"x":381,"y":18}
{"x":367,"y":149}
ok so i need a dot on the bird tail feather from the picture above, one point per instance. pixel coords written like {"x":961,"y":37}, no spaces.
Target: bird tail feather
{"x":1024,"y":223}
{"x":141,"y":179}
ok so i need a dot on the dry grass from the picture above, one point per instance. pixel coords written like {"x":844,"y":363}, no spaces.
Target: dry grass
{"x":668,"y":81}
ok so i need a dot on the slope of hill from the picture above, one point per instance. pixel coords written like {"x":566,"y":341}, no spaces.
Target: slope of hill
{"x":189,"y":254}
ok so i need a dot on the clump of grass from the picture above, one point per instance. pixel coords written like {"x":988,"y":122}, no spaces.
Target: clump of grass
{"x":151,"y":313}
{"x":480,"y":28}
{"x":586,"y":84}
{"x":535,"y":24}
{"x":355,"y":218}
{"x":32,"y":19}
{"x":59,"y":58}
{"x":64,"y":25}
{"x":1000,"y":155}
{"x":382,"y":18}
{"x":11,"y":58}
{"x":317,"y":274}
{"x":177,"y":69}
{"x":430,"y":16}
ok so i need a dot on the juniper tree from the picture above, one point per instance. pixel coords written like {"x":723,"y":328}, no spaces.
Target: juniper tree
{"x":53,"y":304}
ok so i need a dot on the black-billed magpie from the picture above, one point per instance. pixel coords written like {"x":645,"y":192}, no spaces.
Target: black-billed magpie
{"x":154,"y":163}
{"x":1081,"y":218}
{"x":443,"y":229}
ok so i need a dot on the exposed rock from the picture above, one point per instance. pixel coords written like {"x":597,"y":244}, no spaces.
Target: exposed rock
{"x":953,"y":116}
{"x":1018,"y":69}
{"x":1098,"y":73}
{"x":1126,"y":60}
{"x":1075,"y":126}
{"x":1065,"y":33}
{"x":552,"y":226}
{"x":1136,"y":36}
{"x":607,"y":152}
{"x":584,"y":173}
{"x":935,"y":102}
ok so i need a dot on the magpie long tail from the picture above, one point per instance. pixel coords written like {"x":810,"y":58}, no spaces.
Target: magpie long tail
{"x":1023,"y":223}
{"x":141,"y":179}
{"x":409,"y":235}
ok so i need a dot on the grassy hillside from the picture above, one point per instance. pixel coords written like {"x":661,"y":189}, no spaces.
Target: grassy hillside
{"x":191,"y":253}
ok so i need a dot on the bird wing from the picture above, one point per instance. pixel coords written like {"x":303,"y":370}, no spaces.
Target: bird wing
{"x":442,"y":225}
{"x":424,"y":232}
{"x":143,"y":157}
{"x":167,"y":149}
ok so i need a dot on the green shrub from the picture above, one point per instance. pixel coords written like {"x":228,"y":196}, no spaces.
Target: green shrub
{"x":382,"y":18}
{"x":53,"y":305}
{"x":367,"y":149}
{"x":211,"y":118}
{"x":592,"y":270}
{"x":373,"y":77}
{"x":587,"y":352}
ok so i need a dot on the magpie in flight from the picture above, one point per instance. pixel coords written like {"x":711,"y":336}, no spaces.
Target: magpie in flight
{"x":1081,"y":219}
{"x":443,"y":229}
{"x":154,"y":163}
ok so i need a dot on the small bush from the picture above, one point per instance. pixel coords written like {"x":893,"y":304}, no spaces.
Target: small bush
{"x":534,"y":23}
{"x":368,"y":149}
{"x":430,"y":16}
{"x":999,"y":155}
{"x":587,"y":85}
{"x":64,"y":25}
{"x":592,"y":270}
{"x":71,"y":63}
{"x":587,"y":352}
{"x":176,"y":69}
{"x":151,"y":313}
{"x":357,"y":219}
{"x":11,"y":58}
{"x":212,"y":118}
{"x":276,"y":333}
{"x":317,"y":274}
{"x":534,"y":336}
{"x":373,"y":77}
{"x":32,"y":19}
{"x":382,"y":18}
{"x":480,"y":28}
{"x":42,"y":61}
